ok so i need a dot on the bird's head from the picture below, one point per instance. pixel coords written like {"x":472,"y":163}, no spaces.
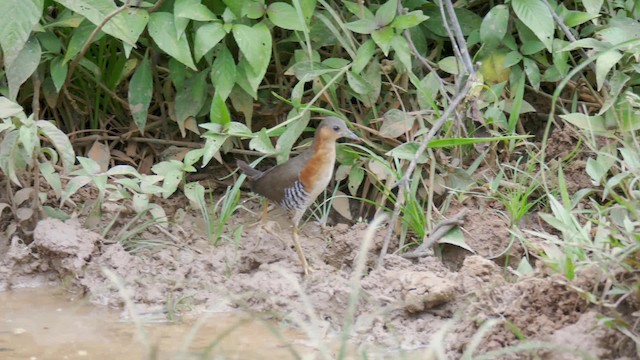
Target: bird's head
{"x":334,"y":128}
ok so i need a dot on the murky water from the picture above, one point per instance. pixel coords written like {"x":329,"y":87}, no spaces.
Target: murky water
{"x":48,"y":323}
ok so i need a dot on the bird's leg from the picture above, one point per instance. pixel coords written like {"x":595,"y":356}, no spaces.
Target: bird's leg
{"x":265,"y":208}
{"x":296,"y":242}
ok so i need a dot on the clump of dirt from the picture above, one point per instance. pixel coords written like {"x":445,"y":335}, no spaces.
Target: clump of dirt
{"x":405,"y":303}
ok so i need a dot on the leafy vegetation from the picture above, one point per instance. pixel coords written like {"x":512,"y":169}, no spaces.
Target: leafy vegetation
{"x":438,"y":93}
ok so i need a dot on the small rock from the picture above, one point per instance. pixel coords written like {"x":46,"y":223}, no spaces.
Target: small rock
{"x":424,"y":290}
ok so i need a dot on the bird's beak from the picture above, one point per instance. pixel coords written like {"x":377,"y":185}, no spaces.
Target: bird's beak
{"x":351,"y":135}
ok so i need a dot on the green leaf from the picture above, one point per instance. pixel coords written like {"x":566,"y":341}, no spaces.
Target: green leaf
{"x":356,"y":176}
{"x":605,"y":62}
{"x":254,"y":10}
{"x":383,"y":37}
{"x":396,"y":123}
{"x":219,"y":112}
{"x":262,"y":143}
{"x":285,"y":16}
{"x":586,"y":122}
{"x":290,"y":135}
{"x":190,"y":98}
{"x":255,"y":44}
{"x":455,"y":237}
{"x":207,"y":36}
{"x":7,"y":156}
{"x":409,"y":20}
{"x":8,"y":108}
{"x":126,"y":26}
{"x":386,"y":13}
{"x":362,"y":26}
{"x":194,"y":10}
{"x":359,"y":84}
{"x":212,"y":146}
{"x":403,"y":53}
{"x":407,"y":151}
{"x":533,"y":73}
{"x":79,"y":37}
{"x":469,"y":20}
{"x":575,"y":18}
{"x":494,"y":26}
{"x":23,"y":67}
{"x":58,"y":70}
{"x":140,"y":93}
{"x":363,"y":56}
{"x":593,"y":6}
{"x":20,"y":16}
{"x":450,"y":65}
{"x":536,"y":16}
{"x":309,"y":70}
{"x":163,"y":31}
{"x":223,"y":73}
{"x":60,"y":142}
{"x":308,"y":8}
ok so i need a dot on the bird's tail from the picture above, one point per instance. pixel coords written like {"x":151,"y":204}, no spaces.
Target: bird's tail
{"x":251,"y":173}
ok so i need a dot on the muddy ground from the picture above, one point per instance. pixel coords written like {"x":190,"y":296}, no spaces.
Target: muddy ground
{"x":433,"y":303}
{"x":407,"y":304}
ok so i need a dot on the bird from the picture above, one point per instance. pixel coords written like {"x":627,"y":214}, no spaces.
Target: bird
{"x":296,"y":183}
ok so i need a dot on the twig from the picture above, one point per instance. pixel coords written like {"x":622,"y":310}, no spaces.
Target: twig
{"x":412,"y":165}
{"x":457,"y":30}
{"x":93,"y":35}
{"x":437,"y":233}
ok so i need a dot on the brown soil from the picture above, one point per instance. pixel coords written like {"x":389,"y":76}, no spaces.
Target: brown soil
{"x":405,"y":304}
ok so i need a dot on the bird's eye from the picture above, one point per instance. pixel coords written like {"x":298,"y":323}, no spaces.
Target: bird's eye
{"x":336,"y":128}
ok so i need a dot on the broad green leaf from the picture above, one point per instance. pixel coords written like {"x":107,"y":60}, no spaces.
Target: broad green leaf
{"x":190,"y":98}
{"x":450,"y":65}
{"x":536,"y":16}
{"x":247,"y":79}
{"x":407,"y":151}
{"x":409,"y":20}
{"x":575,"y":18}
{"x":308,"y":8}
{"x":356,"y":176}
{"x":494,"y":26}
{"x":8,"y":147}
{"x":212,"y":146}
{"x":52,"y":177}
{"x":140,"y":93}
{"x":469,"y":20}
{"x":254,"y":10}
{"x":362,"y":26}
{"x":223,"y":73}
{"x":236,"y":6}
{"x":290,"y":135}
{"x":363,"y":56}
{"x":605,"y":62}
{"x":533,"y":73}
{"x":207,"y":36}
{"x":194,"y":10}
{"x":49,"y":42}
{"x":60,"y":142}
{"x":618,"y":82}
{"x":512,"y":58}
{"x":620,"y":29}
{"x":309,"y":70}
{"x":28,"y":138}
{"x":19,"y":18}
{"x":455,"y":237}
{"x":285,"y":16}
{"x":58,"y":70}
{"x":163,"y":31}
{"x":79,"y":37}
{"x":359,"y":84}
{"x":586,"y":122}
{"x":126,"y":26}
{"x":219,"y":113}
{"x":262,"y":143}
{"x":255,"y":44}
{"x":593,"y":6}
{"x":386,"y":13}
{"x":598,"y":168}
{"x":358,"y":9}
{"x":396,"y":123}
{"x":23,"y":67}
{"x":403,"y":53}
{"x":8,"y":108}
{"x":383,"y":37}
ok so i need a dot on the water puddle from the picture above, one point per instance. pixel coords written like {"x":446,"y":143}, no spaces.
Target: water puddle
{"x":48,"y":323}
